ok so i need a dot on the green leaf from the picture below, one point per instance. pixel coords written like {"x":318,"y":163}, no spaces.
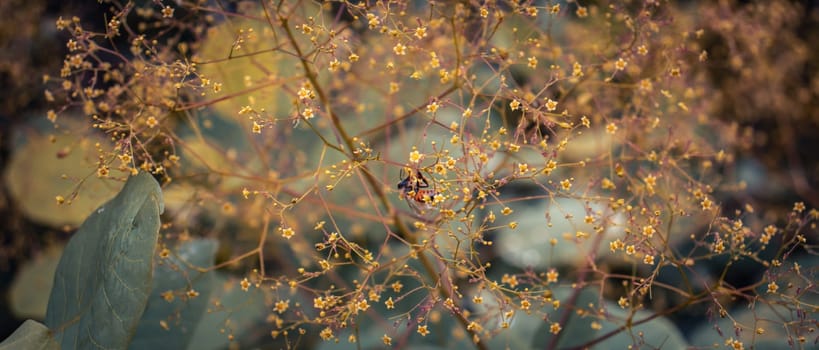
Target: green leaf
{"x":231,"y":311}
{"x":36,"y":175}
{"x":29,"y":291}
{"x":530,"y":243}
{"x":104,"y":278}
{"x":576,"y":330}
{"x":177,"y":274}
{"x":29,"y":336}
{"x":658,"y":332}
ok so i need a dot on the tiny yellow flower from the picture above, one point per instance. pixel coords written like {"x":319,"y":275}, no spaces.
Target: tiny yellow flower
{"x":396,"y":286}
{"x":734,"y":344}
{"x":770,"y":230}
{"x":420,"y":32}
{"x":551,"y":276}
{"x":555,"y":328}
{"x":511,"y":280}
{"x":577,"y":70}
{"x":433,"y":107}
{"x":551,"y":105}
{"x":372,"y":21}
{"x":514,"y":105}
{"x":620,"y":64}
{"x":305,"y":93}
{"x":415,"y":156}
{"x":675,"y":72}
{"x":334,"y":64}
{"x":282,"y":305}
{"x":308,"y":113}
{"x":532,"y":62}
{"x":585,"y":121}
{"x":400,"y":49}
{"x":719,"y":246}
{"x":288,"y":232}
{"x":616,"y":245}
{"x":611,"y":128}
{"x":642,"y":50}
{"x":362,"y":305}
{"x":326,"y":333}
{"x":646,"y":85}
{"x":706,"y":204}
{"x":623,"y":302}
{"x":772,"y":287}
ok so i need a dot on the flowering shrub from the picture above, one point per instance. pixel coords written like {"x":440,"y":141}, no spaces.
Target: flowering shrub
{"x":561,"y":173}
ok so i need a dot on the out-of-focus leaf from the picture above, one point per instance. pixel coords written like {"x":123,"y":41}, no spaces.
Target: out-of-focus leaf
{"x":529,"y":245}
{"x":257,"y":78}
{"x":32,"y":284}
{"x":34,"y":179}
{"x":104,"y":278}
{"x":177,"y":274}
{"x":779,"y":319}
{"x":658,"y":332}
{"x":31,"y":335}
{"x":576,"y":330}
{"x":230,"y":311}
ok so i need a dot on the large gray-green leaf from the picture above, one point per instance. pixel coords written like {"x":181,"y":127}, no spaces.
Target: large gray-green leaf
{"x":657,"y":333}
{"x":529,"y":244}
{"x":31,"y":335}
{"x":231,"y":311}
{"x":29,"y":291}
{"x":36,"y":174}
{"x":177,"y":274}
{"x":105,"y":275}
{"x":783,"y":317}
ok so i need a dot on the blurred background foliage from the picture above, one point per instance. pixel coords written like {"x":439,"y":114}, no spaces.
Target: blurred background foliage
{"x":759,"y":84}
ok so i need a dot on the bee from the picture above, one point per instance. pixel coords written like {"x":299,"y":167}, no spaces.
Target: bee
{"x":416,"y":188}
